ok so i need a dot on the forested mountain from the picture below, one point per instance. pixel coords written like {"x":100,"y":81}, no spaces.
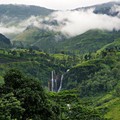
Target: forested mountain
{"x":92,"y":77}
{"x":45,"y":33}
{"x":38,"y":38}
{"x":47,"y":40}
{"x":22,"y":11}
{"x":110,"y":8}
{"x":90,"y":41}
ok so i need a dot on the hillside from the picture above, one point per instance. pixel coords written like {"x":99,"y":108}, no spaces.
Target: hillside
{"x":109,"y":8}
{"x":4,"y":42}
{"x":97,"y":81}
{"x":35,"y":63}
{"x":89,"y":41}
{"x":22,"y":11}
{"x":38,"y":38}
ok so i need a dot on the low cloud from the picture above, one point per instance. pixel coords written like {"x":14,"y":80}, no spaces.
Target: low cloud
{"x":68,"y":22}
{"x":78,"y":22}
{"x":115,"y":10}
{"x":10,"y":30}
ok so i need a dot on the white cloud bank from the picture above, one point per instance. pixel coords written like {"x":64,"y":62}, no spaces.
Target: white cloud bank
{"x":78,"y":22}
{"x":68,"y":22}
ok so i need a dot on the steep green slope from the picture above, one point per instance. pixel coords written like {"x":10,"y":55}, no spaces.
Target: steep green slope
{"x":114,"y":110}
{"x":40,"y":38}
{"x":108,"y":105}
{"x":98,"y":83}
{"x":89,"y":41}
{"x":95,"y":76}
{"x":111,"y":46}
{"x":47,"y":40}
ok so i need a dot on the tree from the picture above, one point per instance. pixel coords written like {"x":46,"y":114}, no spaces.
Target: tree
{"x":31,"y":95}
{"x":72,"y":108}
{"x":10,"y":107}
{"x":79,"y":112}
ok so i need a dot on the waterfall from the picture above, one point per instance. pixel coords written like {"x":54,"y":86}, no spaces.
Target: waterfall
{"x":60,"y":83}
{"x":52,"y":82}
{"x":55,"y":84}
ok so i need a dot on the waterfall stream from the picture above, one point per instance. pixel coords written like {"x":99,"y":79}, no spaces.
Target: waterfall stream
{"x":55,"y":84}
{"x":60,"y":83}
{"x":52,"y":81}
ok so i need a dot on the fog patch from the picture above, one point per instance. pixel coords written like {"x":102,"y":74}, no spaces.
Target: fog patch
{"x":69,"y":22}
{"x":78,"y":22}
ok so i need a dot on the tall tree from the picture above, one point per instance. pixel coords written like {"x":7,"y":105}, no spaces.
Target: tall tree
{"x":31,"y":96}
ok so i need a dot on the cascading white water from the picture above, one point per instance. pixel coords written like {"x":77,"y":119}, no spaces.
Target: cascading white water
{"x":61,"y":80}
{"x":52,"y":82}
{"x":56,"y":82}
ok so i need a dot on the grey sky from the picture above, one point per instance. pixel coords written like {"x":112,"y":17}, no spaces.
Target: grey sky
{"x":57,"y":4}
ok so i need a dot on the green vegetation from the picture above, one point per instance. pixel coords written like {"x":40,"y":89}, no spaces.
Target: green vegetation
{"x":95,"y":78}
{"x":31,"y":62}
{"x":89,"y":41}
{"x":91,"y":82}
{"x":86,"y":67}
{"x":38,"y":39}
{"x":1,"y":80}
{"x":24,"y":98}
{"x":54,"y":42}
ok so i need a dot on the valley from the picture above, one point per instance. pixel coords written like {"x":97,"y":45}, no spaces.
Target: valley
{"x":48,"y":74}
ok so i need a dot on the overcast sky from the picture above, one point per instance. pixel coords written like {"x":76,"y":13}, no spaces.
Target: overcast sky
{"x":57,"y":4}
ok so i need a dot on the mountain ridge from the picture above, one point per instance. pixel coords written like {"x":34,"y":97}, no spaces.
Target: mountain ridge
{"x":102,"y":8}
{"x":23,"y":11}
{"x":4,"y":41}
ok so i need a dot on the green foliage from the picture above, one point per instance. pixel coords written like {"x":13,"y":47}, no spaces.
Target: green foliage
{"x":113,"y":110}
{"x":31,"y":62}
{"x":89,"y":41}
{"x":39,"y":39}
{"x":31,"y":97}
{"x":94,"y":76}
{"x":1,"y":80}
{"x":73,"y":108}
{"x":10,"y":107}
{"x":78,"y":112}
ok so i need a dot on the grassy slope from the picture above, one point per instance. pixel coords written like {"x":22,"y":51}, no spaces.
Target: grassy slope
{"x":90,"y":41}
{"x":114,"y":44}
{"x":114,"y":110}
{"x":111,"y":104}
{"x":43,"y":39}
